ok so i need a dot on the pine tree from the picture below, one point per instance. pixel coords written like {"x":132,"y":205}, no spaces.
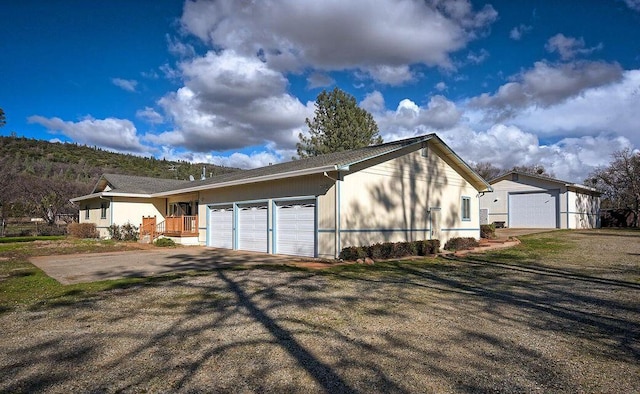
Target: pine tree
{"x":338,"y":125}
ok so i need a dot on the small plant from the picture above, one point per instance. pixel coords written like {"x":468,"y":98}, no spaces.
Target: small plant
{"x":165,"y":243}
{"x":461,"y":243}
{"x":488,"y":231}
{"x":83,"y":230}
{"x":127,"y":232}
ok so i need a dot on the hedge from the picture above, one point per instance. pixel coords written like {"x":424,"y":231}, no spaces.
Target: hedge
{"x":83,"y":230}
{"x":391,"y":250}
{"x":488,"y":231}
{"x":460,"y":243}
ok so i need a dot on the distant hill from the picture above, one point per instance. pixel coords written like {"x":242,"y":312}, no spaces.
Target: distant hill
{"x":37,"y":175}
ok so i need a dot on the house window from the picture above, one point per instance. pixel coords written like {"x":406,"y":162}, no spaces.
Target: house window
{"x":86,"y":212}
{"x":466,"y":208}
{"x":103,"y":211}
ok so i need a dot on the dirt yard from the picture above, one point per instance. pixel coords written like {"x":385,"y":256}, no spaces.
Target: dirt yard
{"x":565,"y":322}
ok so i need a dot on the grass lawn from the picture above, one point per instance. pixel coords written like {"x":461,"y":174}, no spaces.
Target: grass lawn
{"x":558,"y":313}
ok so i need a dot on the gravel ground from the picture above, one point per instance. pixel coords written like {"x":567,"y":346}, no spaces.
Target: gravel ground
{"x":453,"y":326}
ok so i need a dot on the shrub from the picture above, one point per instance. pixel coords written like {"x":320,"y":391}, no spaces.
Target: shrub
{"x":460,"y":243}
{"x":352,"y":253}
{"x":488,"y":231}
{"x":83,"y":230}
{"x":390,"y":250}
{"x":51,"y":230}
{"x":428,"y":247}
{"x":165,"y":243}
{"x":126,"y":232}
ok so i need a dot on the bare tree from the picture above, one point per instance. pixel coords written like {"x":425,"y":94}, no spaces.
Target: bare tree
{"x":620,"y":182}
{"x":487,"y":170}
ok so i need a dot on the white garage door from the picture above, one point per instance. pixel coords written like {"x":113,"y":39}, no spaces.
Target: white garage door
{"x":533,"y":210}
{"x":295,"y":228}
{"x":252,"y":228}
{"x":221,"y":227}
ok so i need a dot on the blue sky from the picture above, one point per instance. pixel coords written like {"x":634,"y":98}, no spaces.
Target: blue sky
{"x":515,"y":83}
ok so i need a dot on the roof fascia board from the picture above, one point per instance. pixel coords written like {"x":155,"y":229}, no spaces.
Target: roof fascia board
{"x":419,"y":141}
{"x":263,"y":178}
{"x":109,"y":194}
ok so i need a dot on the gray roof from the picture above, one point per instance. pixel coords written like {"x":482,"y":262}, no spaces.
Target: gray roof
{"x":544,"y":178}
{"x":130,"y":184}
{"x":138,"y":184}
{"x":337,"y":159}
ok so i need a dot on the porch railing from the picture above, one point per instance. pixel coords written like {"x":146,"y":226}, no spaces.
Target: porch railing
{"x":176,"y":226}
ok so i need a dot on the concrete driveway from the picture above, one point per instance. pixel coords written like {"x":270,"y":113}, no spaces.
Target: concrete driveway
{"x":91,"y":267}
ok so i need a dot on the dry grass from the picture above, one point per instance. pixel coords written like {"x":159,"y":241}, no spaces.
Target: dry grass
{"x":551,"y":319}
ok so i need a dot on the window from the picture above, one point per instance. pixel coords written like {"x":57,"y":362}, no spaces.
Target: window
{"x":103,"y":211}
{"x":86,"y":212}
{"x":466,"y":208}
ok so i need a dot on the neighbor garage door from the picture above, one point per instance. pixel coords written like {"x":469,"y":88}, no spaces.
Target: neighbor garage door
{"x":252,"y":228}
{"x":295,"y":228}
{"x":221,"y":227}
{"x":533,"y":210}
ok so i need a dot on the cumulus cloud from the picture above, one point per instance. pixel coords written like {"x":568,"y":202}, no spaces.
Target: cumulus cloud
{"x":229,"y":102}
{"x":126,"y":84}
{"x":391,"y":75}
{"x":477,"y":58}
{"x":517,"y":32}
{"x":569,"y":47}
{"x":110,"y":133}
{"x":179,"y":48}
{"x":150,"y":115}
{"x":441,"y":86}
{"x":354,"y":34}
{"x":546,"y":84}
{"x":409,"y":118}
{"x":236,"y":160}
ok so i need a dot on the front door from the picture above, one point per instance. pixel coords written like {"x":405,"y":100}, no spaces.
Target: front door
{"x":434,"y":216}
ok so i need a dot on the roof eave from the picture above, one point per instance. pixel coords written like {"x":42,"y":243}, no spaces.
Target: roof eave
{"x":109,"y":194}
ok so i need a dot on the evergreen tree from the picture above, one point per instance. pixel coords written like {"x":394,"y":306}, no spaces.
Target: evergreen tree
{"x":338,"y":125}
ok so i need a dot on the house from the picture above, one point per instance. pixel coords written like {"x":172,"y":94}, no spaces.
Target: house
{"x":412,"y":189}
{"x":522,"y":200}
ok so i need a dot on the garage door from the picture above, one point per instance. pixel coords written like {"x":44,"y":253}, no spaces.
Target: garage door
{"x":221,"y":227}
{"x":252,"y":228}
{"x":295,"y":228}
{"x":533,"y":210}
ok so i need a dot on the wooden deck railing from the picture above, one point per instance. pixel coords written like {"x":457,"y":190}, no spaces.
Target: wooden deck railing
{"x":174,"y":226}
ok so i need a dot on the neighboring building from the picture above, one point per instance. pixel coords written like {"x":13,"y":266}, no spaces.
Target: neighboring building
{"x":412,"y":189}
{"x":522,"y":200}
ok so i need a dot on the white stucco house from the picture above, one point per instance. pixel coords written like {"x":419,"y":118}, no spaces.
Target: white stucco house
{"x":521,"y":200}
{"x":412,"y":189}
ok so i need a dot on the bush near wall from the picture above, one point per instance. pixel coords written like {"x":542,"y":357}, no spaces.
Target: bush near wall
{"x":126,"y":232}
{"x":391,"y":250}
{"x":488,"y":231}
{"x":83,"y":230}
{"x":461,"y":243}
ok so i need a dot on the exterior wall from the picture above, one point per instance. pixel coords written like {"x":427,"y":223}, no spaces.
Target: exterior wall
{"x":95,"y":215}
{"x":575,"y":209}
{"x":411,"y":197}
{"x":120,"y":210}
{"x":305,"y":186}
{"x":584,"y":210}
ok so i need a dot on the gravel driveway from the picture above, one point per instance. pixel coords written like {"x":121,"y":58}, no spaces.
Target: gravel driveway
{"x":439,"y":326}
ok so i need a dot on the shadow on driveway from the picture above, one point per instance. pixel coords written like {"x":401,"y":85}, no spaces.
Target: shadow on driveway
{"x":92,"y":267}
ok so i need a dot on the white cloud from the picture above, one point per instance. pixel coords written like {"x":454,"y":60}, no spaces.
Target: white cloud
{"x":441,"y":86}
{"x":569,"y":47}
{"x":178,"y":48}
{"x":110,"y":133}
{"x":391,"y":75}
{"x":355,"y":35}
{"x":126,"y":84}
{"x":610,"y":108}
{"x":150,"y":115}
{"x":236,"y":160}
{"x":477,"y":58}
{"x":633,"y":4}
{"x":229,"y":102}
{"x":545,"y":85}
{"x":319,"y":80}
{"x":517,"y":32}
